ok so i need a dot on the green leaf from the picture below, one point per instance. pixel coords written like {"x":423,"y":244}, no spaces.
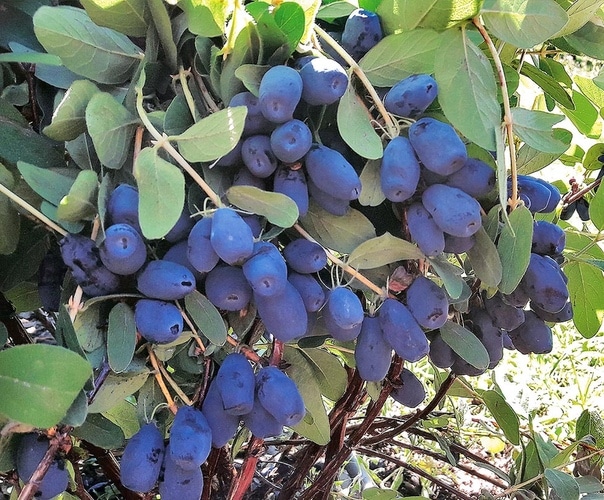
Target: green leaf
{"x":403,"y":15}
{"x":101,"y":432}
{"x":118,"y":386}
{"x":535,"y":129}
{"x":504,"y":415}
{"x":445,"y":14}
{"x":590,"y":423}
{"x":124,"y":416}
{"x":213,"y":136}
{"x":584,"y":286}
{"x":355,"y":124}
{"x":315,"y":425}
{"x":129,"y":17}
{"x":10,"y":221}
{"x":467,"y":88}
{"x":161,"y":188}
{"x":271,"y":37}
{"x":588,"y":40}
{"x":246,"y":50}
{"x":121,"y":337}
{"x":579,"y":13}
{"x":78,"y":411}
{"x":178,"y":116}
{"x":31,"y":58}
{"x":206,"y":17}
{"x":465,"y":344}
{"x":206,"y":317}
{"x":585,"y":116}
{"x":65,"y":333}
{"x":329,"y":372}
{"x":163,"y":27}
{"x":39,"y":383}
{"x":450,"y":276}
{"x":340,"y":233}
{"x":549,"y":85}
{"x":485,"y":260}
{"x":3,"y":335}
{"x":80,"y":203}
{"x":596,"y":209}
{"x":532,"y":160}
{"x":382,"y":250}
{"x":514,"y":248}
{"x":590,"y":90}
{"x":278,"y":208}
{"x":111,"y":127}
{"x":383,"y":494}
{"x":396,"y":57}
{"x":523,"y":23}
{"x":69,"y":118}
{"x":251,"y":75}
{"x":24,"y":262}
{"x":565,"y":456}
{"x":88,"y":327}
{"x":563,"y":484}
{"x":371,"y":188}
{"x":289,"y":17}
{"x":335,"y":10}
{"x":100,"y":54}
{"x":48,"y":183}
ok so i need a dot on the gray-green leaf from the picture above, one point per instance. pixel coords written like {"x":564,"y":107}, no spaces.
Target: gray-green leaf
{"x":535,"y":128}
{"x":278,"y":208}
{"x":383,"y":250}
{"x":101,"y":54}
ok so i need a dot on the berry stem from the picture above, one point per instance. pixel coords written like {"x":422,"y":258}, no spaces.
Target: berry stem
{"x":183,"y":76}
{"x":349,"y":269}
{"x":507,"y":112}
{"x":174,"y":385}
{"x":160,"y":381}
{"x":391,"y":125}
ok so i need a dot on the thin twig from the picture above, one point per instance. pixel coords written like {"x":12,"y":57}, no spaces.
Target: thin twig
{"x":582,"y":192}
{"x":507,"y":112}
{"x":174,"y":385}
{"x":160,"y":381}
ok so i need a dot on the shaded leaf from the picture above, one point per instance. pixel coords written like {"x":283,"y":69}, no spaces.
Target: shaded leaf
{"x":548,"y":84}
{"x":401,"y":55}
{"x":116,"y":387}
{"x":584,"y":287}
{"x":382,"y":250}
{"x":340,"y":233}
{"x":532,"y":160}
{"x":10,"y":221}
{"x":178,"y":116}
{"x":465,"y":344}
{"x":78,"y":411}
{"x":39,"y":383}
{"x":31,"y":58}
{"x":587,"y":39}
{"x":121,"y":337}
{"x":371,"y":188}
{"x":504,"y":415}
{"x":514,"y":248}
{"x":246,"y":50}
{"x":596,"y":209}
{"x":163,"y":27}
{"x":126,"y":16}
{"x":278,"y":208}
{"x":485,"y":260}
{"x":315,"y":425}
{"x":50,"y":184}
{"x":536,"y":129}
{"x":467,"y":88}
{"x":161,"y":188}
{"x":124,"y":416}
{"x":335,"y":10}
{"x":331,"y":375}
{"x":101,"y":432}
{"x":251,"y":75}
{"x":563,"y":484}
{"x":65,"y":333}
{"x":98,"y":53}
{"x":111,"y":127}
{"x":206,"y":317}
{"x":450,"y":276}
{"x":213,"y":136}
{"x":80,"y":202}
{"x":356,"y":127}
{"x":523,"y":23}
{"x":69,"y":118}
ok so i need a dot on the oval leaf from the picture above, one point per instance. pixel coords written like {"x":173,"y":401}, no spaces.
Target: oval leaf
{"x":126,"y":16}
{"x":116,"y":387}
{"x":161,"y":188}
{"x":213,"y":136}
{"x":121,"y":337}
{"x":278,"y":208}
{"x":398,"y":56}
{"x":371,"y":188}
{"x":101,"y":432}
{"x":340,"y":233}
{"x":523,"y":23}
{"x":485,"y":260}
{"x":383,"y":250}
{"x":563,"y":484}
{"x":450,"y":276}
{"x":535,"y":128}
{"x":80,"y":202}
{"x":504,"y":415}
{"x":330,"y":373}
{"x":514,"y":247}
{"x":465,"y":344}
{"x":111,"y":127}
{"x":39,"y":383}
{"x":101,"y":54}
{"x":355,"y":126}
{"x":587,"y":299}
{"x":467,"y":88}
{"x":206,"y":317}
{"x":48,"y":183}
{"x":69,"y":119}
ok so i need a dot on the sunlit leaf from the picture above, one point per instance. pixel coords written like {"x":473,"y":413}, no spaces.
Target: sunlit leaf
{"x":278,"y":208}
{"x":98,"y":53}
{"x":504,"y":415}
{"x":584,"y":287}
{"x":121,"y":337}
{"x":161,"y":188}
{"x":206,"y":317}
{"x":465,"y":344}
{"x":514,"y":247}
{"x":485,"y":260}
{"x":80,"y":202}
{"x":382,"y":250}
{"x":129,"y":17}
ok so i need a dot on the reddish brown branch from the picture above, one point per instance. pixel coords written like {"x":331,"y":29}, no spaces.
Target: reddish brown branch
{"x":244,"y":479}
